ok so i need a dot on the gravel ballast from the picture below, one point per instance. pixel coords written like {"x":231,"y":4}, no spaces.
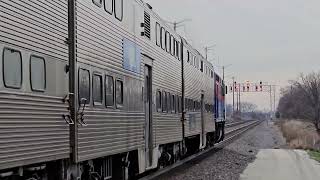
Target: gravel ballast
{"x":228,"y":163}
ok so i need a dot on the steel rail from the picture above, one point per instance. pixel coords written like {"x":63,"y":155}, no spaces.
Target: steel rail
{"x":231,"y":135}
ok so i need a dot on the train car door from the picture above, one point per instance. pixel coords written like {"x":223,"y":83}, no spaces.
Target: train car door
{"x":148,"y":114}
{"x":202,"y":120}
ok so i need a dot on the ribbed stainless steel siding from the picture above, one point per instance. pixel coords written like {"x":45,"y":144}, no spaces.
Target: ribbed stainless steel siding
{"x":195,"y":82}
{"x":99,"y":44}
{"x":168,"y":128}
{"x":32,"y":129}
{"x":41,"y":26}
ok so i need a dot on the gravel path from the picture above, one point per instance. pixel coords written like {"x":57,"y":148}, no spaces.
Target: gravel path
{"x":230,"y":162}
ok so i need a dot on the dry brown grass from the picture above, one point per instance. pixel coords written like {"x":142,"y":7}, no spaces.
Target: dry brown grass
{"x":300,"y":134}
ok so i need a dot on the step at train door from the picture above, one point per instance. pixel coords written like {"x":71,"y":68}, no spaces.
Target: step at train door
{"x":148,"y":114}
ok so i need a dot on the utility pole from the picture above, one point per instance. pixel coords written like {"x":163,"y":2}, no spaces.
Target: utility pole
{"x":270,"y":86}
{"x":274,"y":98}
{"x":207,"y":49}
{"x":233,"y":96}
{"x":239,"y":98}
{"x":179,"y":23}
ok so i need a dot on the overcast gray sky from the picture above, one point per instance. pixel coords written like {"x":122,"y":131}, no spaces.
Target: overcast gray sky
{"x":268,"y":40}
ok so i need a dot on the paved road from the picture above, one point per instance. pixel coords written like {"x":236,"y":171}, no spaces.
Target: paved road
{"x":280,"y":164}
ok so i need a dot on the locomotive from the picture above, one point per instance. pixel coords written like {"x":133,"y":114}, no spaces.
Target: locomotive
{"x":100,"y":89}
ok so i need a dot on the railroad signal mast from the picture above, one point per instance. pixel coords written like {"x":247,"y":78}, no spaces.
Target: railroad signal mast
{"x":248,"y":87}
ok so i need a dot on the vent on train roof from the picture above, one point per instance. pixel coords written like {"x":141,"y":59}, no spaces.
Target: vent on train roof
{"x":147,"y":25}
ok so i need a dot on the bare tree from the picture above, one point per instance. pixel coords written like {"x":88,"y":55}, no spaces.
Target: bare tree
{"x":310,"y":86}
{"x":248,"y":107}
{"x":302,"y":99}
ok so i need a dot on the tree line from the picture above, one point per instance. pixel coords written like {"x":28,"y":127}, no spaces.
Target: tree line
{"x":301,"y":99}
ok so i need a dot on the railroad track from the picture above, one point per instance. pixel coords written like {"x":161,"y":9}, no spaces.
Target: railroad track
{"x":232,"y":131}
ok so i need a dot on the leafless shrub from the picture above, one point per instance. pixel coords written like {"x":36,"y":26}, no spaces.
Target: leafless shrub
{"x":300,"y":134}
{"x":301,"y":100}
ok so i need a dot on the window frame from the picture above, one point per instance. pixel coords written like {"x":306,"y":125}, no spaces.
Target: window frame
{"x":178,"y":50}
{"x":45,"y":74}
{"x":164,"y":101}
{"x":113,"y":91}
{"x":115,"y":12}
{"x":179,"y":104}
{"x":21,"y":66}
{"x":104,"y":6}
{"x":100,"y":4}
{"x":159,"y":101}
{"x":168,"y":102}
{"x":172,"y":46}
{"x":163,"y":38}
{"x":97,"y":103}
{"x":79,"y":98}
{"x":173,"y":103}
{"x":119,"y":105}
{"x":158,"y":34}
{"x":168,"y":41}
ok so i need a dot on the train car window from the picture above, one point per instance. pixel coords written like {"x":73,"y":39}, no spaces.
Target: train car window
{"x":97,"y":2}
{"x":172,"y":42}
{"x":164,"y":101}
{"x":173,"y":104}
{"x":108,"y":6}
{"x":180,"y":104}
{"x":168,"y":43}
{"x":188,"y":56}
{"x":158,"y":34}
{"x":84,"y":86}
{"x":159,"y":101}
{"x":97,"y":89}
{"x":169,"y":102}
{"x":177,"y":104}
{"x":37,"y":73}
{"x":109,"y":85}
{"x":163,"y":38}
{"x":119,"y":92}
{"x":201,"y":66}
{"x":178,"y":50}
{"x":118,"y":9}
{"x":12,"y":68}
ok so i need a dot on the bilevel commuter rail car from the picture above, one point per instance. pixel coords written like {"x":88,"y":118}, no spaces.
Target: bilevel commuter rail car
{"x":98,"y":89}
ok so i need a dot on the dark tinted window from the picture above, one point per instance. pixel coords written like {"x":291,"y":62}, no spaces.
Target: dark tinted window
{"x":37,"y":73}
{"x":118,"y":9}
{"x":84,"y":86}
{"x":180,"y":104}
{"x":159,"y":101}
{"x":168,"y":102}
{"x":97,"y":89}
{"x":173,"y":103}
{"x":119,"y":92}
{"x":164,"y":101}
{"x":109,"y":91}
{"x":12,"y":68}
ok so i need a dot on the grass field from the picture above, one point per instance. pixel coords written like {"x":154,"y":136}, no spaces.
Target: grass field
{"x":315,"y":155}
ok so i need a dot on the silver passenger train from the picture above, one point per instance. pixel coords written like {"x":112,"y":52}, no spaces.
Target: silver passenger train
{"x":98,"y":89}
